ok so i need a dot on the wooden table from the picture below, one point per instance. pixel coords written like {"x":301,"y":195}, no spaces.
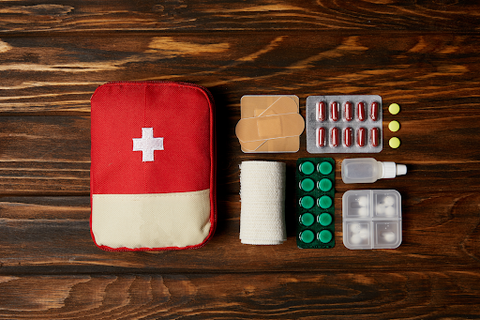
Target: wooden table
{"x":423,"y":55}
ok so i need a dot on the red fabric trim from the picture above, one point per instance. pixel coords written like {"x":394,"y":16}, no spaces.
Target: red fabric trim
{"x":178,"y":112}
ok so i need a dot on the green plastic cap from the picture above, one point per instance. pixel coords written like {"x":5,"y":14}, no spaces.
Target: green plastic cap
{"x":325,"y":168}
{"x":307,"y":184}
{"x":325,"y":185}
{"x":325,"y":202}
{"x":307,"y":202}
{"x":325,"y":236}
{"x":307,"y":219}
{"x":325,"y":219}
{"x":307,"y":168}
{"x":307,"y":236}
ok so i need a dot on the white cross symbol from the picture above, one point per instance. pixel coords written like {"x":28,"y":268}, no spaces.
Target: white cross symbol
{"x":147,"y":144}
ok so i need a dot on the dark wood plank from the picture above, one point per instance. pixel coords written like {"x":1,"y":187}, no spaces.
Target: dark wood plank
{"x":88,"y":16}
{"x":45,"y":155}
{"x":45,"y":208}
{"x":423,"y":72}
{"x":361,"y":295}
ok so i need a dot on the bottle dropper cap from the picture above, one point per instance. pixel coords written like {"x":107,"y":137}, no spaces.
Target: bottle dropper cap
{"x":391,"y":170}
{"x":401,"y":169}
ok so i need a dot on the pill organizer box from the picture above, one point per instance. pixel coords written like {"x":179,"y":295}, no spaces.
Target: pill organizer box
{"x":315,"y":194}
{"x":372,"y":219}
{"x":344,"y":124}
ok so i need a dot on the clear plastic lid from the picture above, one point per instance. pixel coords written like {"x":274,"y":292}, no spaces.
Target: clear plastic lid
{"x":372,"y":219}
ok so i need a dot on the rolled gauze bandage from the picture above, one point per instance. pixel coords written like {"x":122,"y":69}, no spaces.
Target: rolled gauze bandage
{"x":262,"y":196}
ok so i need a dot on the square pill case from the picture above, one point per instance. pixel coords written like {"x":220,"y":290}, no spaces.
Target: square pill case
{"x":344,"y":124}
{"x":372,"y":219}
{"x":315,"y":194}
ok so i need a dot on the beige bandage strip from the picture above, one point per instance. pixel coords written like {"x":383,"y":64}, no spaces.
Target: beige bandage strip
{"x":272,"y":145}
{"x":257,"y":106}
{"x":269,"y":127}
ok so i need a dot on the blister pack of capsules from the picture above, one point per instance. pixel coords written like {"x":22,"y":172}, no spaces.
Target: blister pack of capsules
{"x":344,"y":124}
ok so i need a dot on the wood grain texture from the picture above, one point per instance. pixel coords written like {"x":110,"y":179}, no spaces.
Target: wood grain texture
{"x":423,"y":70}
{"x":421,"y":54}
{"x":181,"y":15}
{"x":42,"y":155}
{"x":244,"y":296}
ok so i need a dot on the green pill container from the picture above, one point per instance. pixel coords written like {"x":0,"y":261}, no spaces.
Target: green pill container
{"x":315,"y":210}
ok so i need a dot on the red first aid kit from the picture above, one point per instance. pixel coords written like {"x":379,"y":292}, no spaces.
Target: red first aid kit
{"x":153,"y":166}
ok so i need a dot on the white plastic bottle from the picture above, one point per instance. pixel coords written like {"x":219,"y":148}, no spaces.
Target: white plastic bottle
{"x":368,"y":170}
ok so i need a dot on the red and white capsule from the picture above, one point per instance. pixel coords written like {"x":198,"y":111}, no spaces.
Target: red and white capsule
{"x":335,"y":137}
{"x":348,"y":137}
{"x":321,"y":111}
{"x":374,"y":111}
{"x":321,"y":137}
{"x":362,"y":137}
{"x":334,"y":111}
{"x":375,"y":137}
{"x":348,"y":111}
{"x":361,"y":111}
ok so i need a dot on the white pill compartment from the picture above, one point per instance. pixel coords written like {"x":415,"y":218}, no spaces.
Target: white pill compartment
{"x":372,"y":219}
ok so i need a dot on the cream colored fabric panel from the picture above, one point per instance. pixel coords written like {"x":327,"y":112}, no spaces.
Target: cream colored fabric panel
{"x":151,"y":220}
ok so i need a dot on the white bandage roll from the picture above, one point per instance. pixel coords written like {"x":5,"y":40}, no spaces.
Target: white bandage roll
{"x":262,"y":196}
